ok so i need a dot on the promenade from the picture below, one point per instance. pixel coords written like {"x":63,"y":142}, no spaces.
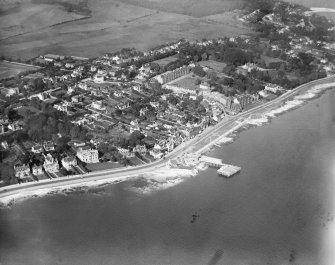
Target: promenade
{"x":199,"y":144}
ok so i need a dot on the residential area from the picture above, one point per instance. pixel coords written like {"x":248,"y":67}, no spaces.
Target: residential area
{"x":73,"y":115}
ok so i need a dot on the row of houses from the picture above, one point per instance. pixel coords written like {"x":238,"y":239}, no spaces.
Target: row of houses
{"x":172,"y":75}
{"x":51,"y":164}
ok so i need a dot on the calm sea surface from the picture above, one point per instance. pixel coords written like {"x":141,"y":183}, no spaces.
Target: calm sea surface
{"x":271,"y":213}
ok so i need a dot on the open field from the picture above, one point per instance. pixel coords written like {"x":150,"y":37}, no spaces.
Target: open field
{"x":114,"y":25}
{"x":188,"y":81}
{"x":30,"y":17}
{"x":195,"y":8}
{"x":8,"y":69}
{"x":214,"y":65}
{"x":165,"y":61}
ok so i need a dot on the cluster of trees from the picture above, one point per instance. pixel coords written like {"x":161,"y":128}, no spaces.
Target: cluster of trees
{"x":43,"y":125}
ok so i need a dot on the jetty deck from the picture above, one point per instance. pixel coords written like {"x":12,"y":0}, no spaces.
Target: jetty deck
{"x":228,"y":170}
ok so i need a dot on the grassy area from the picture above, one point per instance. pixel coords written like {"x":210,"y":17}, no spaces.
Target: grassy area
{"x":8,"y":69}
{"x":114,"y":25}
{"x":195,"y":8}
{"x":165,"y":61}
{"x":103,"y":166}
{"x":216,"y":66}
{"x":269,"y":60}
{"x":187,"y":82}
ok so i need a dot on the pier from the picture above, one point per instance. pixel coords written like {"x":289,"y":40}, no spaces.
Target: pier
{"x":224,"y":169}
{"x":211,"y":161}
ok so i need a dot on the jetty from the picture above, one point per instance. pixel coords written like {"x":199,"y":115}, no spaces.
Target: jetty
{"x":225,"y":170}
{"x":228,"y":170}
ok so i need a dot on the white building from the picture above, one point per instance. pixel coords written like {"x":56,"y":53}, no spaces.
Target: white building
{"x":69,"y":162}
{"x":37,"y":170}
{"x":22,"y":171}
{"x":50,"y":164}
{"x":88,"y":155}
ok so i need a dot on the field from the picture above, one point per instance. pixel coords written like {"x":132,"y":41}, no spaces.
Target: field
{"x":216,"y":66}
{"x":8,"y":69}
{"x":165,"y":61}
{"x":113,"y":25}
{"x":188,"y":81}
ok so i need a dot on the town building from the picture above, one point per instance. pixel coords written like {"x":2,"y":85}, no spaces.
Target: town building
{"x":36,"y":149}
{"x":37,"y":170}
{"x":22,"y":171}
{"x":68,"y":162}
{"x":172,"y":75}
{"x":141,"y":149}
{"x":156,"y":152}
{"x":50,"y":164}
{"x":88,"y":155}
{"x":49,"y":146}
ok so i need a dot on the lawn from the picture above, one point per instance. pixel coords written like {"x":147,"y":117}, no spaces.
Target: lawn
{"x":8,"y":69}
{"x":103,"y":166}
{"x":165,"y":61}
{"x":269,"y":60}
{"x":187,"y":82}
{"x":214,"y":65}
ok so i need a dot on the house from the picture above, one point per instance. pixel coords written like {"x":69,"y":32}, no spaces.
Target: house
{"x":15,"y":126}
{"x":36,"y":149}
{"x":156,"y":152}
{"x":37,"y":170}
{"x":125,"y":152}
{"x":98,"y":105}
{"x":204,"y":86}
{"x":141,"y":149}
{"x":22,"y":171}
{"x":143,"y":111}
{"x":69,"y":65}
{"x":134,"y":126}
{"x":88,"y":155}
{"x":99,"y":78}
{"x":49,"y":146}
{"x":68,"y":162}
{"x":4,"y":144}
{"x":50,"y":164}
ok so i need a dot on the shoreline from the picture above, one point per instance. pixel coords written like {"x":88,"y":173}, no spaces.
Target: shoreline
{"x":227,"y":136}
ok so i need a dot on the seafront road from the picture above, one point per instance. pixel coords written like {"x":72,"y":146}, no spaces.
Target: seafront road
{"x":198,"y":144}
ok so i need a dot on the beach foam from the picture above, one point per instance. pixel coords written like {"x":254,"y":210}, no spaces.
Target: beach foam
{"x":160,"y":180}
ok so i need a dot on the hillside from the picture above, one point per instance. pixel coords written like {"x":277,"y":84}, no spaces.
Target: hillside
{"x":196,"y":8}
{"x":45,"y":26}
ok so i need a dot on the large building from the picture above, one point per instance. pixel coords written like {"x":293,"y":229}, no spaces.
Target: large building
{"x":69,"y":162}
{"x":37,"y":170}
{"x":50,"y":164}
{"x":172,"y":75}
{"x":88,"y":155}
{"x":22,"y":171}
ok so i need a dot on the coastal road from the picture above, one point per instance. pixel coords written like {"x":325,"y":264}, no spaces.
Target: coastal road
{"x":222,"y":128}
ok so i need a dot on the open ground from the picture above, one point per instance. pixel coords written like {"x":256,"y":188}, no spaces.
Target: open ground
{"x":113,"y":25}
{"x":8,"y":69}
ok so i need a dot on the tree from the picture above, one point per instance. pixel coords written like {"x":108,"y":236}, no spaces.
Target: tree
{"x":74,"y":132}
{"x":12,"y":114}
{"x":118,"y":111}
{"x":199,"y":71}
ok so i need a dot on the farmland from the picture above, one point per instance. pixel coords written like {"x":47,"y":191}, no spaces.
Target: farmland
{"x":111,"y":26}
{"x":8,"y":69}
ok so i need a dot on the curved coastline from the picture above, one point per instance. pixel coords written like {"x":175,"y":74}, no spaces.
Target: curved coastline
{"x":222,"y":133}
